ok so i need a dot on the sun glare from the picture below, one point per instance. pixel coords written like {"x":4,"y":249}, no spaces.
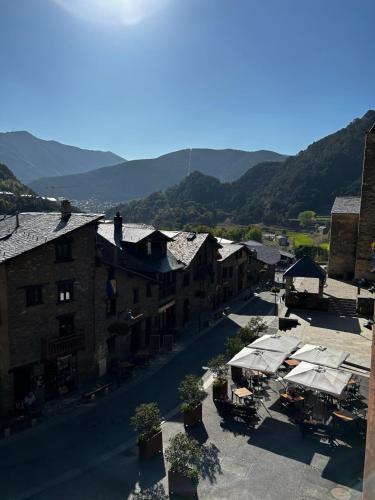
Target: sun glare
{"x":112,"y":11}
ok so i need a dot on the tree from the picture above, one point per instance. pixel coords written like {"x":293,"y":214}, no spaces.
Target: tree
{"x":183,"y":454}
{"x":218,"y":367}
{"x":233,"y":345}
{"x":191,"y":392}
{"x":146,"y":420}
{"x":307,"y":218}
{"x":254,"y":234}
{"x":245,"y":336}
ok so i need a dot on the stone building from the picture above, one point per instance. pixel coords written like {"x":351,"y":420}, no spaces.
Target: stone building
{"x":352,"y":242}
{"x":47,"y":285}
{"x":79,"y":295}
{"x":196,"y":283}
{"x":232,"y":270}
{"x":135,"y":289}
{"x":343,"y":241}
{"x":262,"y":263}
{"x":365,"y":258}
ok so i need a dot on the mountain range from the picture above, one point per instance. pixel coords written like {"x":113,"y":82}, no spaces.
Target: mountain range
{"x":139,"y":178}
{"x":270,"y":192}
{"x":30,"y":158}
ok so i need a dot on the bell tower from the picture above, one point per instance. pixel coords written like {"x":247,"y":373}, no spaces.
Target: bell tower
{"x":365,"y":257}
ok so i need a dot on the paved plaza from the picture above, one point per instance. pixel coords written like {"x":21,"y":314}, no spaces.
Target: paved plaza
{"x":345,"y":333}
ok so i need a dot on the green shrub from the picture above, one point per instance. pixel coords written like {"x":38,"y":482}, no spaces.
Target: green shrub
{"x":183,"y":454}
{"x":191,"y":392}
{"x":146,"y":420}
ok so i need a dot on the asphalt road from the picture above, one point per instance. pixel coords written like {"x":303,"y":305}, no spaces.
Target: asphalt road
{"x":51,"y":455}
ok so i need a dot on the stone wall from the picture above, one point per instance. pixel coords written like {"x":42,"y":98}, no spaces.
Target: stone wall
{"x":365,"y":261}
{"x":29,"y":327}
{"x":145,"y":312}
{"x":343,"y":245}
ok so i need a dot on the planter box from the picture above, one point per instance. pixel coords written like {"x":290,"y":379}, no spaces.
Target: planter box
{"x":220,"y":391}
{"x":193,"y":417}
{"x":152,"y":447}
{"x":178,"y":484}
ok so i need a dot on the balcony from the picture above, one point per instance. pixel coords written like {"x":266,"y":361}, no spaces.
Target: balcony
{"x":61,"y":346}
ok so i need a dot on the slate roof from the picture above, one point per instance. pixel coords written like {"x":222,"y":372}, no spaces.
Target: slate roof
{"x":305,"y":268}
{"x":134,"y":233}
{"x":229,"y":249}
{"x":131,"y":233}
{"x":287,"y":254}
{"x":35,"y":229}
{"x":265,"y":253}
{"x":346,"y":205}
{"x":184,"y":248}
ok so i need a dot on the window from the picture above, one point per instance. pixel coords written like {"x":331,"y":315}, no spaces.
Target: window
{"x":148,"y":290}
{"x":186,"y":279}
{"x":149,"y":248}
{"x":111,"y":306}
{"x":135,"y":295}
{"x":65,"y":291}
{"x":66,"y":325}
{"x":63,"y":250}
{"x":34,"y":295}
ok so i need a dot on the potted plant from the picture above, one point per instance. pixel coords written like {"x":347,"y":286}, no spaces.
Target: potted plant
{"x":147,"y":422}
{"x":192,"y":394}
{"x":182,"y":454}
{"x":219,"y":369}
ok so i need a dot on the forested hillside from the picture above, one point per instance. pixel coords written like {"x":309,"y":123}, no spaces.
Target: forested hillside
{"x":270,"y":192}
{"x":15,"y":197}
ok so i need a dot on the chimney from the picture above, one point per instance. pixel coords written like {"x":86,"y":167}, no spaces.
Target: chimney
{"x":17,"y":220}
{"x":117,"y":222}
{"x":66,"y":209}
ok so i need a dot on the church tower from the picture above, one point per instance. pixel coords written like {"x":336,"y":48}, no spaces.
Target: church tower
{"x":365,"y":258}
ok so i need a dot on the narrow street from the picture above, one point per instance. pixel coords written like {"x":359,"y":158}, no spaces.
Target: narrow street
{"x":48,"y":457}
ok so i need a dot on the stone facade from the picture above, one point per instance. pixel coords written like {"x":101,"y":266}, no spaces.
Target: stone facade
{"x":343,"y":245}
{"x":232,"y":272}
{"x":365,"y":258}
{"x":197,"y":282}
{"x":120,"y":289}
{"x":352,"y":242}
{"x":47,"y":344}
{"x":126,"y":319}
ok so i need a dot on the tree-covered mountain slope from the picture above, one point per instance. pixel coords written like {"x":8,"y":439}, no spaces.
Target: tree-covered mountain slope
{"x":139,"y":178}
{"x":268,"y":192}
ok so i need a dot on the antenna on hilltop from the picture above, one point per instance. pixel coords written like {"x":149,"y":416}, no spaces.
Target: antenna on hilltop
{"x":189,"y":162}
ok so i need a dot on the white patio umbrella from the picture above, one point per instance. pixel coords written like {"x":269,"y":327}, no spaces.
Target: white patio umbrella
{"x":320,"y":378}
{"x":258,"y":359}
{"x":276,"y":342}
{"x":320,"y":355}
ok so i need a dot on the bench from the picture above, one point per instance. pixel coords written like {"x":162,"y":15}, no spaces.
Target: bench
{"x":99,"y":391}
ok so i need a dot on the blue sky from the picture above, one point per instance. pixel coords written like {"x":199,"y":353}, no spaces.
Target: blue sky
{"x":145,"y":77}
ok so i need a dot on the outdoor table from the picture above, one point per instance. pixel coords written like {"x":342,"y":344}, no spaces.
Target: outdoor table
{"x":292,"y":399}
{"x":345,"y":415}
{"x":241,"y":392}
